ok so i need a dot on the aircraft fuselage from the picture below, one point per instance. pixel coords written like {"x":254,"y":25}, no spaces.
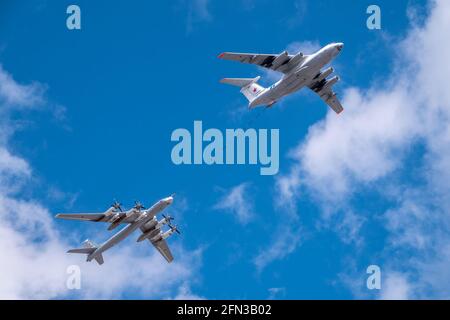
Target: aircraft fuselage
{"x":145,"y":217}
{"x":302,"y":75}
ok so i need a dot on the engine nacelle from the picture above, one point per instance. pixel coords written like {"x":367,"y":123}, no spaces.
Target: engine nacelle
{"x":110,"y":211}
{"x":167,"y":234}
{"x":330,"y":82}
{"x":150,"y":224}
{"x":324,"y":74}
{"x":280,"y":59}
{"x":110,"y":214}
{"x":116,"y":219}
{"x":149,"y":234}
{"x":296,"y":59}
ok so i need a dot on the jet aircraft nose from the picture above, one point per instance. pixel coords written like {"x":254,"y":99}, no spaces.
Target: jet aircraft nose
{"x":339,"y":46}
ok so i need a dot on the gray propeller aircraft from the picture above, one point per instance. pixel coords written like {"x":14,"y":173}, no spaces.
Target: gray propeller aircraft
{"x":299,"y":71}
{"x":136,"y":217}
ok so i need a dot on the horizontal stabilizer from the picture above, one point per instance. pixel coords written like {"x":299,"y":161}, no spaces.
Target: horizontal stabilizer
{"x":239,"y":82}
{"x":82,"y":250}
{"x":88,"y":248}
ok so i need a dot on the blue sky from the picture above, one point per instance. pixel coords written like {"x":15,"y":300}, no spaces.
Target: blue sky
{"x":112,"y":93}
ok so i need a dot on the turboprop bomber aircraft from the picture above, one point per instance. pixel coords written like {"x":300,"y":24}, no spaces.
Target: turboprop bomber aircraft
{"x":136,"y":217}
{"x":299,"y":71}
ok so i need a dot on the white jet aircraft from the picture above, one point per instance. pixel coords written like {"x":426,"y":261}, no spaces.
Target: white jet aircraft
{"x":137,"y":217}
{"x":299,"y":71}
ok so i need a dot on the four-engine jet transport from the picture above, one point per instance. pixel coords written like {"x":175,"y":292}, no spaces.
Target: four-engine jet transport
{"x":299,"y":71}
{"x":137,"y":217}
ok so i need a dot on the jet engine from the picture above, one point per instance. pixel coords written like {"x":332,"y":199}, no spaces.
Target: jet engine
{"x":280,"y":60}
{"x":330,"y":82}
{"x":324,"y":74}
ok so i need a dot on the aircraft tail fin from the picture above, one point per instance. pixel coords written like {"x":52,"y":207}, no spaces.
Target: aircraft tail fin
{"x":88,"y":248}
{"x":249,"y":86}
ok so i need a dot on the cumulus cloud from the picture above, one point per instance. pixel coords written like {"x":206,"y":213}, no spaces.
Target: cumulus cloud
{"x":34,"y":260}
{"x":362,"y":147}
{"x":238,"y":202}
{"x":393,"y":141}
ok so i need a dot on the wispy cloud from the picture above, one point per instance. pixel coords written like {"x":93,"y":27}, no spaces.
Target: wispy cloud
{"x":276,"y":293}
{"x":17,"y":96}
{"x":197,"y":12}
{"x":300,"y":8}
{"x":284,"y":241}
{"x":238,"y":201}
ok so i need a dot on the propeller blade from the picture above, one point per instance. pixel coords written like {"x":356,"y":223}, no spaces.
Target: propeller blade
{"x":174,"y":228}
{"x":138,"y":205}
{"x":167,"y":218}
{"x":117,"y":205}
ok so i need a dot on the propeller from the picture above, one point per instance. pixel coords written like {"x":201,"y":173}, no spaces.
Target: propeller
{"x":138,"y":205}
{"x":117,"y":205}
{"x":174,"y":228}
{"x":167,"y":218}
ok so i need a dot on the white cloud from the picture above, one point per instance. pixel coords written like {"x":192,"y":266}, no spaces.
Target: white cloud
{"x":405,"y":223}
{"x":298,"y":13}
{"x":12,"y":166}
{"x":395,"y":287}
{"x":306,"y":47}
{"x":361,"y":147}
{"x":13,"y":94}
{"x":185,"y":293}
{"x":34,"y":259}
{"x":367,"y":150}
{"x":238,"y":201}
{"x":117,"y":279}
{"x":284,"y":241}
{"x":197,"y":11}
{"x":200,"y":8}
{"x":275,"y":293}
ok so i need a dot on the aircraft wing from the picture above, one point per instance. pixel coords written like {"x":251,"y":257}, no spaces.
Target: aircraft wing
{"x":160,"y":245}
{"x":163,"y":248}
{"x":277,"y":62}
{"x":96,"y":217}
{"x":327,"y":94}
{"x":334,"y":103}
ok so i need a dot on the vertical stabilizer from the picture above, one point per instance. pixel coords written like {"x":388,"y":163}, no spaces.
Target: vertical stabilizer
{"x":249,"y":86}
